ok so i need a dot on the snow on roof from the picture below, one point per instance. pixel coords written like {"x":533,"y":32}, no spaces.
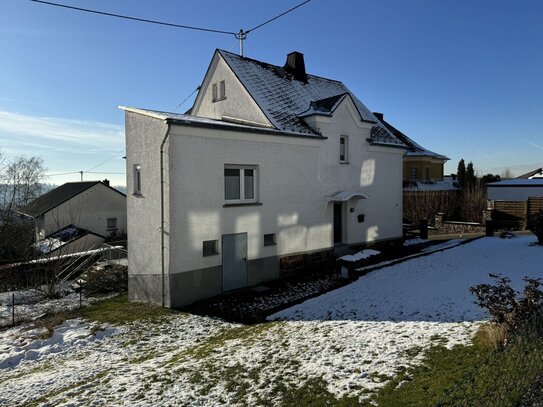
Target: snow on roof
{"x":416,"y":149}
{"x":285,"y":100}
{"x":445,"y":185}
{"x":178,"y":118}
{"x":534,"y":182}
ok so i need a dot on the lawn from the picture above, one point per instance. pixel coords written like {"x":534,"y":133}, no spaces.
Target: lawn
{"x":401,"y":324}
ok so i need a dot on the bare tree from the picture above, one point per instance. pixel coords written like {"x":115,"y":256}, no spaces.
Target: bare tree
{"x":22,"y":182}
{"x":507,"y":174}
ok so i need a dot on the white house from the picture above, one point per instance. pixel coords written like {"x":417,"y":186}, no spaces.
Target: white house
{"x":92,"y":206}
{"x":269,"y":162}
{"x":517,"y":189}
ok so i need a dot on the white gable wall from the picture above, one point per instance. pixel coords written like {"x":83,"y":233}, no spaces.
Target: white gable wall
{"x":238,"y":103}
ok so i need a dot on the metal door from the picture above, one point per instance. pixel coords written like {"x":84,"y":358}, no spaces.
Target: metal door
{"x":234,"y":261}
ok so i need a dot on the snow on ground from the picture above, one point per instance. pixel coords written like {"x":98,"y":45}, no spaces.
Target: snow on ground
{"x":364,"y":254}
{"x":30,"y":304}
{"x":354,"y":338}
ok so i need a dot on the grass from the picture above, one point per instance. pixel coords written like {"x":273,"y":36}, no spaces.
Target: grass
{"x":477,"y":374}
{"x":115,"y":310}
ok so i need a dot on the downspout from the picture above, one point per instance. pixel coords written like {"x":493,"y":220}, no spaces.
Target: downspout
{"x":162,"y":246}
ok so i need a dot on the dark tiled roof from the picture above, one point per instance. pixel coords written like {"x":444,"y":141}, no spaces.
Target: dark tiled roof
{"x":285,"y":101}
{"x":414,"y":148}
{"x":55,"y":197}
{"x":530,"y":174}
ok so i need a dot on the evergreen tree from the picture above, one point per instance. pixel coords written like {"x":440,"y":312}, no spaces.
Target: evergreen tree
{"x":470,"y":176}
{"x":461,"y":173}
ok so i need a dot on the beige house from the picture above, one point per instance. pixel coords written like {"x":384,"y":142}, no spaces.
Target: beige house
{"x":270,"y":162}
{"x":420,"y":165}
{"x":92,"y":206}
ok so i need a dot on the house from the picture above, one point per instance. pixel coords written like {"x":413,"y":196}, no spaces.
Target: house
{"x":271,"y":162}
{"x":68,"y":240}
{"x":518,"y":189}
{"x":537,"y":173}
{"x":92,"y":206}
{"x":422,"y":168}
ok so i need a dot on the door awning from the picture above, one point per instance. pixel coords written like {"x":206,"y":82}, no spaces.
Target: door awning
{"x":344,"y":196}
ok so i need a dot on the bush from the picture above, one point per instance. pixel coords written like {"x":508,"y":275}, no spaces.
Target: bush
{"x":535,"y":225}
{"x":107,"y":279}
{"x":505,"y":307}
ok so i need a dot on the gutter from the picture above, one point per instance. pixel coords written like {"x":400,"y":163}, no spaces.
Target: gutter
{"x":162,"y":246}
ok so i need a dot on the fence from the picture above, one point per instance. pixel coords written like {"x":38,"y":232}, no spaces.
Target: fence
{"x":510,"y":376}
{"x":31,"y":304}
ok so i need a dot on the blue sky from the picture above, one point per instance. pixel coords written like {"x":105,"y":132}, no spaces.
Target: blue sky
{"x":462,"y":78}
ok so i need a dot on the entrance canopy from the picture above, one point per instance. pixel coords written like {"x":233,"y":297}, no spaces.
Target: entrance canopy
{"x":344,"y":196}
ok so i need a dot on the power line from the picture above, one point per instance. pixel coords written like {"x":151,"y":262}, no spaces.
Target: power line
{"x":143,"y":20}
{"x":241,"y":35}
{"x":184,"y":100}
{"x":277,"y":16}
{"x":105,"y":161}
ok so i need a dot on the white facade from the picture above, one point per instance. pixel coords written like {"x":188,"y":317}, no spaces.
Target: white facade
{"x":295,"y":180}
{"x":515,"y":190}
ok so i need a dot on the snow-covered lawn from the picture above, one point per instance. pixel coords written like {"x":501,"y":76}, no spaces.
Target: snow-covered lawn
{"x":353,"y":338}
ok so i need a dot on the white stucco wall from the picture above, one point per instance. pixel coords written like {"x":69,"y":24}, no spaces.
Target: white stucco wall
{"x":513,"y":193}
{"x":295,"y":177}
{"x":238,"y":103}
{"x":143,"y":138}
{"x":88,"y":210}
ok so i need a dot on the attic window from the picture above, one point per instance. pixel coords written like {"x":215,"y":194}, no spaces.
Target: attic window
{"x":218,"y":91}
{"x":343,"y":149}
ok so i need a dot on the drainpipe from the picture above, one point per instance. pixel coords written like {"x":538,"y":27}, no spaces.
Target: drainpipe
{"x":162,"y":214}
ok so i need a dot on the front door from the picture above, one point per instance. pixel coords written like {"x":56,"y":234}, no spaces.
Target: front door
{"x":338,"y":232}
{"x":234,"y":261}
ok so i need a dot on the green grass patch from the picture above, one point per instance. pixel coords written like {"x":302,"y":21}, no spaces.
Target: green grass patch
{"x":118,"y":310}
{"x":477,"y":374}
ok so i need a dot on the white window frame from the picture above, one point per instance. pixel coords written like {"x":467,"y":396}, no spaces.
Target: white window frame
{"x":345,"y":159}
{"x":137,"y":179}
{"x":242,"y":169}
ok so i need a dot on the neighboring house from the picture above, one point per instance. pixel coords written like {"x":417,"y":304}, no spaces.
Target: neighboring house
{"x":518,"y":189}
{"x":420,"y":165}
{"x":68,"y":240}
{"x":271,"y":162}
{"x":538,"y":173}
{"x":93,"y":206}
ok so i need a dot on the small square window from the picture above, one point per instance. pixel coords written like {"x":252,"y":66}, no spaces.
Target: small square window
{"x":111,"y":223}
{"x":269,"y":239}
{"x":343,"y":149}
{"x":137,"y":179}
{"x":210,"y":247}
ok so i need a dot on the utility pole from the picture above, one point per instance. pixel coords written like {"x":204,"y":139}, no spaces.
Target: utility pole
{"x":241,"y":36}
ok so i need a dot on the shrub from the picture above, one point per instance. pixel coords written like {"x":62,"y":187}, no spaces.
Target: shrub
{"x":106,"y":279}
{"x":535,"y":225}
{"x":504,"y":305}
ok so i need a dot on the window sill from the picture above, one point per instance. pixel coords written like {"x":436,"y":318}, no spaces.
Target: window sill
{"x":270,"y":244}
{"x":218,"y":100}
{"x":111,"y":229}
{"x":230,"y":205}
{"x":210,"y":254}
{"x":137,"y":195}
{"x":344,"y":162}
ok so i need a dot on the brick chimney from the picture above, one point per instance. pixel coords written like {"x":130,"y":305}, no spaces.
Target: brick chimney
{"x":106,"y":182}
{"x":295,"y":66}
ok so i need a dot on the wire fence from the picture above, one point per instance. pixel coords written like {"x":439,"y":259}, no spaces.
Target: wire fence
{"x":509,"y":376}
